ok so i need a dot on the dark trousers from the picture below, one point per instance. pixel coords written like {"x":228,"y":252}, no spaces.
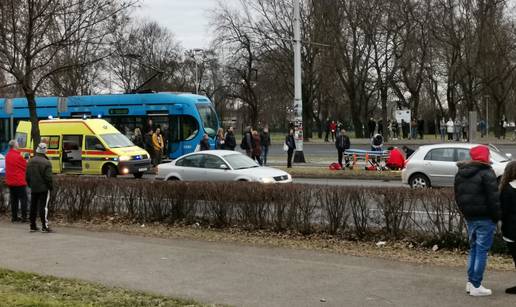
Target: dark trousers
{"x":450,"y":136}
{"x":258,"y":159}
{"x":512,"y":250}
{"x":290,"y":153}
{"x":39,"y":205}
{"x":18,"y":195}
{"x":340,"y":153}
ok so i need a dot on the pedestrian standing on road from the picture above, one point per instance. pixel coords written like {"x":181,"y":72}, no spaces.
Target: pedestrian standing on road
{"x":476,"y":194}
{"x":342,"y":145}
{"x":15,"y":168}
{"x":247,"y":142}
{"x":503,"y":126}
{"x":229,"y":140}
{"x":395,"y":129}
{"x":450,"y":129}
{"x":413,"y":129}
{"x":220,"y":140}
{"x":327,"y":127}
{"x":333,"y":130}
{"x":157,"y":144}
{"x":457,"y":129}
{"x":257,"y":147}
{"x":138,"y":138}
{"x":442,"y":129}
{"x":291,"y":146}
{"x":147,"y":141}
{"x":204,"y":144}
{"x":265,"y":138}
{"x":39,"y":179}
{"x":421,"y":128}
{"x":371,"y":127}
{"x":508,"y":204}
{"x":482,"y":127}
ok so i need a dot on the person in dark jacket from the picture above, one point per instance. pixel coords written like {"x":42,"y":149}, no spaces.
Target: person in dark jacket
{"x":39,"y":179}
{"x":342,"y":144}
{"x":15,"y":168}
{"x":147,"y":143}
{"x":476,"y":194}
{"x":138,"y":138}
{"x":508,"y":204}
{"x":291,"y":144}
{"x":205,"y":143}
{"x":408,"y":151}
{"x":257,"y":147}
{"x":229,"y":140}
{"x":247,"y":142}
{"x":220,"y":140}
{"x":265,"y":139}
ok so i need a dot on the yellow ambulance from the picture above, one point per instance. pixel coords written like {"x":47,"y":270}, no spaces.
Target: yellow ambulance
{"x":86,"y":146}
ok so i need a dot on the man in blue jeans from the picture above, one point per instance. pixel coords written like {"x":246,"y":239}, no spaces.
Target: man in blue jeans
{"x":476,"y":194}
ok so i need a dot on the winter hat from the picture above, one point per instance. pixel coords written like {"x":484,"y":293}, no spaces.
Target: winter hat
{"x":42,"y":148}
{"x":480,"y":153}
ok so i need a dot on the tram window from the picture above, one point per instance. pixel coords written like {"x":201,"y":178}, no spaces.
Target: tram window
{"x":189,"y":128}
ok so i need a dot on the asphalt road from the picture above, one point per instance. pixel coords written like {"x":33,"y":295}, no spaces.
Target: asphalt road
{"x":240,"y":275}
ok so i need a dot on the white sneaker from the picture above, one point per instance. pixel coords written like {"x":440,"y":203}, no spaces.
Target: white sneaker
{"x":480,"y":291}
{"x":468,"y":287}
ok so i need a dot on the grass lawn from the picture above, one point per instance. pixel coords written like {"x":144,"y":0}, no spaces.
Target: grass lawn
{"x":26,"y":289}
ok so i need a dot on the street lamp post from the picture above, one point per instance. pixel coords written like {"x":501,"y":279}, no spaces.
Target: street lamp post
{"x":299,"y":156}
{"x":197,"y":81}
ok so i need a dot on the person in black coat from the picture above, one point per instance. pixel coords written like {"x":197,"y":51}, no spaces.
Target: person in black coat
{"x":229,"y":140}
{"x":291,"y":144}
{"x":205,"y":143}
{"x":508,"y":204}
{"x":342,"y":144}
{"x":265,"y":140}
{"x":476,"y":194}
{"x":247,"y":142}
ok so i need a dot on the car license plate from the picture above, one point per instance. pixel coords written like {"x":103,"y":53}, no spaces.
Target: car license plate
{"x":143,"y":169}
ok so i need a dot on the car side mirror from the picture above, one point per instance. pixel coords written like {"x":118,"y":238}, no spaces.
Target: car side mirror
{"x":99,"y":147}
{"x":223,"y":166}
{"x":509,"y":155}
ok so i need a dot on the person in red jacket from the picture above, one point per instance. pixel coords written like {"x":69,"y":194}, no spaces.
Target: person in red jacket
{"x":396,"y":159}
{"x":15,"y":167}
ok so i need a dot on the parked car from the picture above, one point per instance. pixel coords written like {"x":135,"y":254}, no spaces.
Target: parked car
{"x":219,"y":165}
{"x":2,"y":165}
{"x":436,"y":165}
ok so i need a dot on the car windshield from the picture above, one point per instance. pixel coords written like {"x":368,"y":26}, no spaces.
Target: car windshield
{"x":209,"y":119}
{"x":239,"y":161}
{"x":116,"y":140}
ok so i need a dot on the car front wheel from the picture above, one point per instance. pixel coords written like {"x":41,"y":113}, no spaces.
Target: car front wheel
{"x":419,"y":181}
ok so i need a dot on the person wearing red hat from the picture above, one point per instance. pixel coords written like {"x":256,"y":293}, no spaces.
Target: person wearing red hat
{"x":476,"y":194}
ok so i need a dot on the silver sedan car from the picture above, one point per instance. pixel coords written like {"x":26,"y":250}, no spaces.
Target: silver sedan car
{"x":219,"y":165}
{"x":436,"y":165}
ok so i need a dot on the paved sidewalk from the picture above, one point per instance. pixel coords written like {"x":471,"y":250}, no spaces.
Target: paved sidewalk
{"x":239,"y":275}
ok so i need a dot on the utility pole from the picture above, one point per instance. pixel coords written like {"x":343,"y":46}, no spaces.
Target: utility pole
{"x":299,"y":156}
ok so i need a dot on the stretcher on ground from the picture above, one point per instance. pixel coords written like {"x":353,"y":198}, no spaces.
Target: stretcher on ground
{"x":373,"y":160}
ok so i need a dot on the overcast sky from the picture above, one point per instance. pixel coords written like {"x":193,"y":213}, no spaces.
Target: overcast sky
{"x":187,"y":19}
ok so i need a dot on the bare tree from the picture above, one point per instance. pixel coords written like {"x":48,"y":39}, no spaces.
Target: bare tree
{"x":34,"y":34}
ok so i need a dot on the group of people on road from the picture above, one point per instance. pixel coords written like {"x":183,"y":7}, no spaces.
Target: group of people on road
{"x":256,"y":144}
{"x":483,"y":203}
{"x":35,"y":174}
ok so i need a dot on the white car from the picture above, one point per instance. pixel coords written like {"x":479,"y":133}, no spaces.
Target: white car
{"x":219,"y":165}
{"x":436,"y":165}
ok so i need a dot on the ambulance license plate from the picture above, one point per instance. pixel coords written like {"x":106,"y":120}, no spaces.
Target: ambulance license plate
{"x":143,"y":169}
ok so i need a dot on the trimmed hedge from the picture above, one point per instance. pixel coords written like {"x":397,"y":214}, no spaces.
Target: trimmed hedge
{"x":422,"y":216}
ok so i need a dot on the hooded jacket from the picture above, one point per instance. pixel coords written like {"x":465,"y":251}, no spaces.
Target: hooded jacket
{"x":476,"y":191}
{"x":39,"y":174}
{"x":508,"y":202}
